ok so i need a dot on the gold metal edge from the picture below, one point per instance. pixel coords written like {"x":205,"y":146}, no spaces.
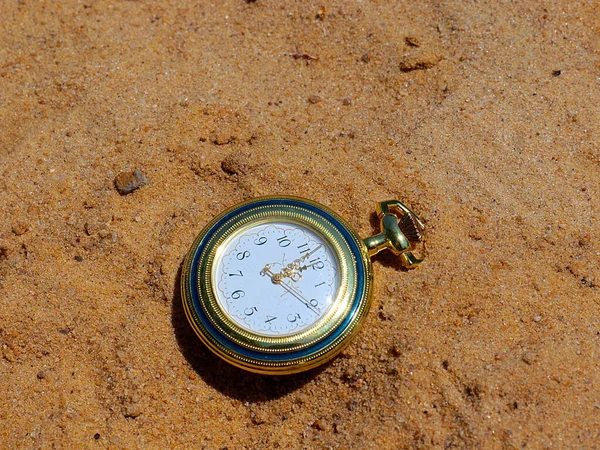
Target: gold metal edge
{"x":341,"y":304}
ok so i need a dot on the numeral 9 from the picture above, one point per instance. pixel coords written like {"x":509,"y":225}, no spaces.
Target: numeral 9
{"x":260,"y":241}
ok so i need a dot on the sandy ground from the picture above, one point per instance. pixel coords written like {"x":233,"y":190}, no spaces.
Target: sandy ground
{"x":482,"y":116}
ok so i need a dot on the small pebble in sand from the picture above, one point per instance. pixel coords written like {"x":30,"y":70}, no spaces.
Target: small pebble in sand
{"x":20,"y":228}
{"x":132,"y":411}
{"x":419,"y":61}
{"x":537,"y":318}
{"x":529,"y":358}
{"x":258,"y":417}
{"x":347,"y":101}
{"x":383,"y":314}
{"x":221,"y":138}
{"x":91,"y":228}
{"x":238,"y":163}
{"x":412,"y":41}
{"x":365,"y":58}
{"x":127,"y":182}
{"x":314,"y":99}
{"x":319,"y":425}
{"x":396,"y":350}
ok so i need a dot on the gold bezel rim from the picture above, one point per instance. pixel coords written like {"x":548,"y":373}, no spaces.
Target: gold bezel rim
{"x":296,"y":341}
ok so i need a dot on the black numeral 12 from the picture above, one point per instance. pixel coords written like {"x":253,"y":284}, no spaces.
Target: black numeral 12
{"x":317,"y":264}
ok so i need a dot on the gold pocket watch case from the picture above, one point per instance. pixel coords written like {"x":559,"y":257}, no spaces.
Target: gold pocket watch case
{"x":278,"y":285}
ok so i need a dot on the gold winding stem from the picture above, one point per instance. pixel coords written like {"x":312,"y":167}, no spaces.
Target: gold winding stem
{"x":376,"y":243}
{"x":400,"y":230}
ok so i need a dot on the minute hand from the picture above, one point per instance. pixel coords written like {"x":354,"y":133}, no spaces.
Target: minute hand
{"x":290,"y":289}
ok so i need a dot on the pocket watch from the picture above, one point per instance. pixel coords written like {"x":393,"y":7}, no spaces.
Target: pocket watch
{"x":279,"y":284}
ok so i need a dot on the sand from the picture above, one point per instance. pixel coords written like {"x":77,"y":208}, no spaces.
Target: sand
{"x":481,"y":116}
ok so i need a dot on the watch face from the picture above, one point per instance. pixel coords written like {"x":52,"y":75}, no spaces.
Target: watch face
{"x":275,"y":279}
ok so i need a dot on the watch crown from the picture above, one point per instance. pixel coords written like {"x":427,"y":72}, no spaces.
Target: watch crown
{"x":400,"y":229}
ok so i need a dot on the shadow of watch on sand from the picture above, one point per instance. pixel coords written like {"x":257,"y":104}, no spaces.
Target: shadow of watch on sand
{"x":224,"y":377}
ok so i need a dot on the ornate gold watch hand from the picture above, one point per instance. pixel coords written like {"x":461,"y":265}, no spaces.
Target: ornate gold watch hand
{"x":305,"y":256}
{"x":293,"y":269}
{"x":277,"y":278}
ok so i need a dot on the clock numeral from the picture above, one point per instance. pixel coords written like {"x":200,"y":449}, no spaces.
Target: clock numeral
{"x":270,"y":319}
{"x":293,"y":317}
{"x":260,"y":241}
{"x":313,"y":302}
{"x":250,"y":311}
{"x":320,"y":284}
{"x":237,"y":294}
{"x":304,"y":248}
{"x":243,"y":255}
{"x":283,"y":241}
{"x":317,"y":264}
{"x":240,"y":274}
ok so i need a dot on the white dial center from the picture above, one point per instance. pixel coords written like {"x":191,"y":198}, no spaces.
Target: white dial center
{"x":276,"y":279}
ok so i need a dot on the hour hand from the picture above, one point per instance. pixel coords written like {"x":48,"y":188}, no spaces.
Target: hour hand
{"x":296,"y":263}
{"x":276,"y":278}
{"x":293,"y":269}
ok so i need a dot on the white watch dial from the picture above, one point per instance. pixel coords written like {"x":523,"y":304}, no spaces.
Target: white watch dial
{"x":276,"y":279}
